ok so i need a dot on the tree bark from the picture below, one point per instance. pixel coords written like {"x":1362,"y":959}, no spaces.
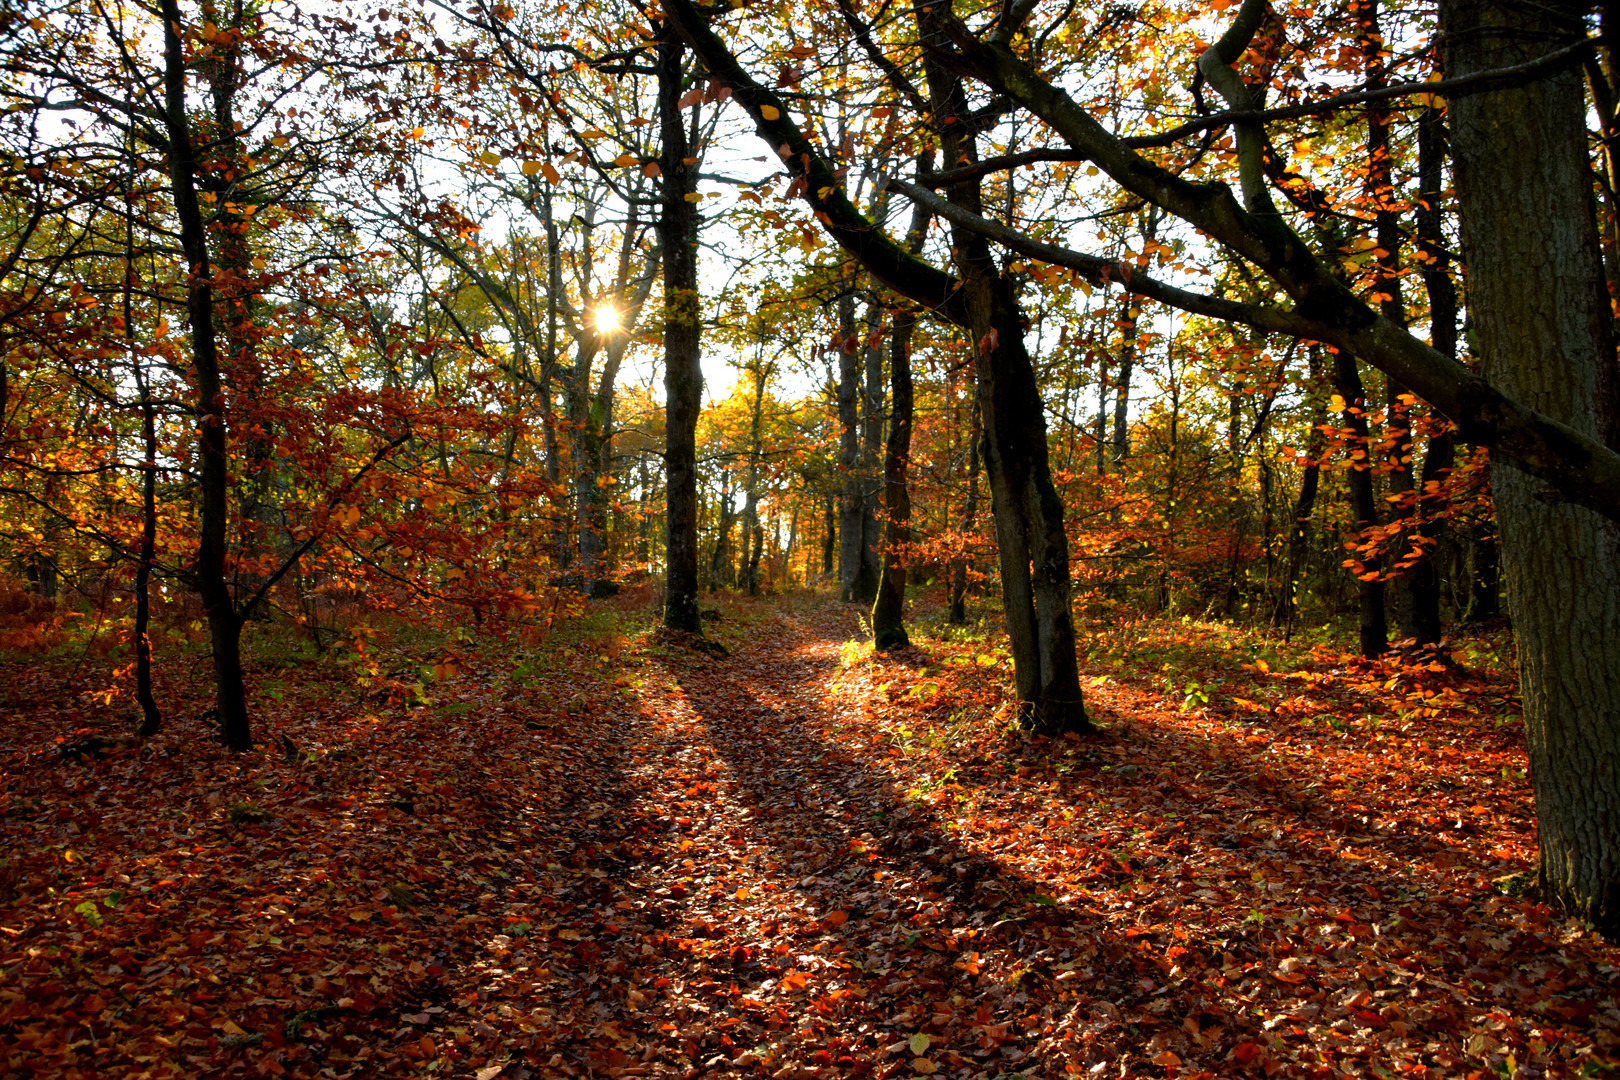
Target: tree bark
{"x":970,"y":513}
{"x":224,"y":624}
{"x":1545,"y":331}
{"x":1373,"y":622}
{"x":1127,"y":358}
{"x":683,"y":373}
{"x":1299,"y":527}
{"x":720,"y":557}
{"x":854,"y":581}
{"x":889,"y":610}
{"x":753,"y":534}
{"x":872,"y":451}
{"x":1032,"y":546}
{"x":1424,"y":578}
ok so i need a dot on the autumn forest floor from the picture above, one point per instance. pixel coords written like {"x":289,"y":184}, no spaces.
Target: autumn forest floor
{"x":606,"y":854}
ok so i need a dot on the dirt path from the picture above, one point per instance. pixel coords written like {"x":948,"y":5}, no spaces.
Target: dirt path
{"x":807,"y":914}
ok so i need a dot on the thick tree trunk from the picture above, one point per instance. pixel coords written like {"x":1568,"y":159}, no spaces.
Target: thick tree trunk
{"x":683,"y":373}
{"x":1545,"y":332}
{"x":1032,"y":547}
{"x":224,"y":624}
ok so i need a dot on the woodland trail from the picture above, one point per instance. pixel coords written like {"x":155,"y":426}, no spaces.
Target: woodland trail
{"x":610,"y":855}
{"x":833,"y":912}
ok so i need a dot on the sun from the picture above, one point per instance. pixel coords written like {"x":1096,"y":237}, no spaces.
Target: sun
{"x":607,"y":319}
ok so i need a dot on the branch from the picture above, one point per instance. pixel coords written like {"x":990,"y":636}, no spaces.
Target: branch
{"x":302,"y":549}
{"x":1580,"y":468}
{"x":889,"y":262}
{"x":1102,"y":271}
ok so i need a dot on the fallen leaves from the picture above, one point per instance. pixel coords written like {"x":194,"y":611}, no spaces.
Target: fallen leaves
{"x":779,"y":864}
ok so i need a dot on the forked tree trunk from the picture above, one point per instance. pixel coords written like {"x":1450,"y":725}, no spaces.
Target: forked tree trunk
{"x":683,"y":374}
{"x":1542,"y":313}
{"x":1032,"y":547}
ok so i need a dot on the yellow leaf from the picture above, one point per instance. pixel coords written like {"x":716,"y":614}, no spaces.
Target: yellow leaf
{"x":1264,"y":668}
{"x":624,"y":161}
{"x":919,"y":1044}
{"x":258,"y":262}
{"x":359,"y":914}
{"x":418,"y":132}
{"x":924,"y":1066}
{"x":770,"y":112}
{"x":279,"y":140}
{"x":38,"y":24}
{"x":1336,"y":403}
{"x":692,"y":196}
{"x":490,"y":157}
{"x":530,"y":168}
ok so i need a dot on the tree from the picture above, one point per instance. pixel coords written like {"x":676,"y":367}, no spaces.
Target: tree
{"x":1032,"y":544}
{"x":1547,"y":338}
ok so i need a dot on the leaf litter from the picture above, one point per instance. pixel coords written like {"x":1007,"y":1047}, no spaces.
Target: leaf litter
{"x":798,"y":861}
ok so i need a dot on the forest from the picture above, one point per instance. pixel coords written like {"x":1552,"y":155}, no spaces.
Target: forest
{"x":983,"y":540}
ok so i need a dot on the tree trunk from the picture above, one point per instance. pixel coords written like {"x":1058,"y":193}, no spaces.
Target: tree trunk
{"x":1440,"y":458}
{"x":1032,"y":547}
{"x":1127,"y":355}
{"x":829,"y":537}
{"x":1485,"y":579}
{"x":854,"y":584}
{"x":970,"y":512}
{"x":683,"y":373}
{"x":872,"y":486}
{"x":889,"y":610}
{"x":753,"y":534}
{"x":721,"y":556}
{"x":1374,"y":627}
{"x":151,"y":715}
{"x":1299,"y":528}
{"x":224,"y":625}
{"x":1545,"y":332}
